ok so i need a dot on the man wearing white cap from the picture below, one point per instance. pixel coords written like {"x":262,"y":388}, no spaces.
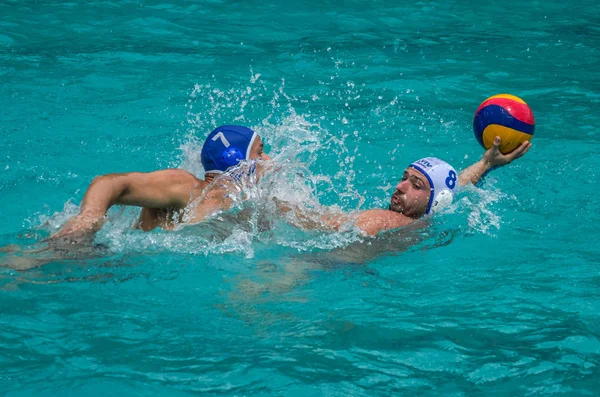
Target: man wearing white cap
{"x":427,"y":186}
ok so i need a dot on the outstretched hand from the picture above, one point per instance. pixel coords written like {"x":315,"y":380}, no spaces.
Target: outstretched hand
{"x":494,"y":158}
{"x":491,"y":159}
{"x":70,"y":242}
{"x":77,"y":230}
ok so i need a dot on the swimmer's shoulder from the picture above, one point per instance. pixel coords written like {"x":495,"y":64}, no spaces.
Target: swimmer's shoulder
{"x":178,"y":176}
{"x":371,"y":222}
{"x":178,"y":183}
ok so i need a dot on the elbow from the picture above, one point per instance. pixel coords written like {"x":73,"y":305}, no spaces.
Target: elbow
{"x":107,"y":188}
{"x":102,"y":180}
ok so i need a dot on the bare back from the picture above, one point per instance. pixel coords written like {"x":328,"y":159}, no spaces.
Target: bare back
{"x":202,"y":200}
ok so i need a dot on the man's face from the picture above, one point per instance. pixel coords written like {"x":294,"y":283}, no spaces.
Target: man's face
{"x":411,"y":197}
{"x":257,"y":152}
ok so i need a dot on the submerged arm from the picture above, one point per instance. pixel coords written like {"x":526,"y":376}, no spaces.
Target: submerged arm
{"x":311,"y":219}
{"x":491,"y":159}
{"x":369,"y":222}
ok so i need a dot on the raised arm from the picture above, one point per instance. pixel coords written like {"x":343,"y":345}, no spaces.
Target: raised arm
{"x":490,"y":160}
{"x":160,"y":189}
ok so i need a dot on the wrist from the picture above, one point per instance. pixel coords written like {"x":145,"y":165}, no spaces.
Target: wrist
{"x":92,"y":213}
{"x":485,"y":165}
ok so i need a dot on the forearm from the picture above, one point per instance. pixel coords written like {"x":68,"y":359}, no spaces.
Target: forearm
{"x":316,"y":221}
{"x":311,"y":219}
{"x":103,"y":192}
{"x":491,"y":160}
{"x":474,"y":173}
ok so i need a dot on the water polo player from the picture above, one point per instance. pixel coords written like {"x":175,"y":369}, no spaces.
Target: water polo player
{"x":165,"y":194}
{"x":427,"y":185}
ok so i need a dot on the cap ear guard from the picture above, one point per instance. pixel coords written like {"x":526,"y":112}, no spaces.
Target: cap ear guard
{"x":441,"y":201}
{"x":231,"y":156}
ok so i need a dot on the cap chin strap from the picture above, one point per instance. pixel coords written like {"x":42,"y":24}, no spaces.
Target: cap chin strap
{"x":234,"y":172}
{"x":249,"y":148}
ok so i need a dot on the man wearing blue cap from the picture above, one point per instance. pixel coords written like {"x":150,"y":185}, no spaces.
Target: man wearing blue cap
{"x":427,"y":185}
{"x":165,"y":194}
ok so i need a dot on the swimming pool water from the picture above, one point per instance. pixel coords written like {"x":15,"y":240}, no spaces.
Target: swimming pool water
{"x":498,"y":296}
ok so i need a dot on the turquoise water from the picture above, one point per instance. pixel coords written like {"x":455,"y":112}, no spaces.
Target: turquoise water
{"x":498,"y":296}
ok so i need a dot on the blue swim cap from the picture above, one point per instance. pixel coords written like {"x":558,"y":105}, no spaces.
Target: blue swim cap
{"x":443,"y":181}
{"x":225,"y":147}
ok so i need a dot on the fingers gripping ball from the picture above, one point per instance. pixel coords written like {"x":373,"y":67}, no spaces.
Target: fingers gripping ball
{"x":506,"y":116}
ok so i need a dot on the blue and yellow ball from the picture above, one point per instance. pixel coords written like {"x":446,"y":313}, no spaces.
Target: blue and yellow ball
{"x":506,"y":116}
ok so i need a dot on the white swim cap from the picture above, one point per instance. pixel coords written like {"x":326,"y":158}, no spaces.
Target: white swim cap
{"x":442,"y":178}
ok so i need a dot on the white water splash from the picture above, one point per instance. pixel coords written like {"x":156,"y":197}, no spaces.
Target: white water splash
{"x":480,"y":204}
